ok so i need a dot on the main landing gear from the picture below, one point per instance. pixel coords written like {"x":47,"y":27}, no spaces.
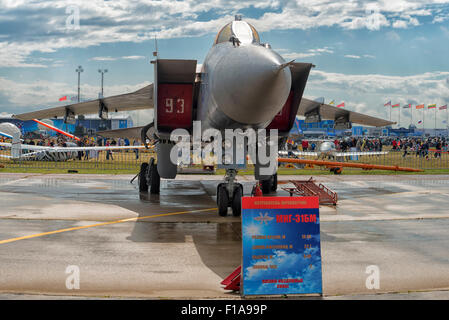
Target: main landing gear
{"x":270,"y":185}
{"x":149,"y":179}
{"x":229,"y":194}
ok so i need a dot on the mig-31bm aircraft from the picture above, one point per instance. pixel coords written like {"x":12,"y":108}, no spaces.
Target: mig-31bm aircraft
{"x":242,"y":84}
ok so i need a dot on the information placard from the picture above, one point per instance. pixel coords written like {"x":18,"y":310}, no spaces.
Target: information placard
{"x":281,"y":246}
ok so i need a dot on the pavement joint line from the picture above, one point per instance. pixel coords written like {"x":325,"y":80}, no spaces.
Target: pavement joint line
{"x":101,"y":224}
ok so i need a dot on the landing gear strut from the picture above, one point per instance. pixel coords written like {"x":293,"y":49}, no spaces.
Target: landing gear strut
{"x":229,"y":194}
{"x":270,"y":185}
{"x":149,"y":177}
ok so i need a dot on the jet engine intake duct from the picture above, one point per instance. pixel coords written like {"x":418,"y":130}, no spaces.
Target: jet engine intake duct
{"x":174,"y":89}
{"x":147,"y":133}
{"x":285,"y":119}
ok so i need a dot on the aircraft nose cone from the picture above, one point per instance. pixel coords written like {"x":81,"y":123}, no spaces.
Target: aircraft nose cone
{"x":250,"y":88}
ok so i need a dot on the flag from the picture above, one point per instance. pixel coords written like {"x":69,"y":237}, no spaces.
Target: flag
{"x":407,"y":106}
{"x":341,"y":105}
{"x":387,"y":104}
{"x":443,"y":107}
{"x":297,"y":124}
{"x":419,"y":122}
{"x":63,"y":98}
{"x":395,"y":105}
{"x":332,"y":102}
{"x":421,"y":106}
{"x":432,"y":106}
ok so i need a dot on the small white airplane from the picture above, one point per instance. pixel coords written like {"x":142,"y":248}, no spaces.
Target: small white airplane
{"x":327,"y":149}
{"x":44,"y":153}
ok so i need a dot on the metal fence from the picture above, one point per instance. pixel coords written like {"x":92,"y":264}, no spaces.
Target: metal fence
{"x":123,"y":160}
{"x":409,"y":159}
{"x":130,"y":160}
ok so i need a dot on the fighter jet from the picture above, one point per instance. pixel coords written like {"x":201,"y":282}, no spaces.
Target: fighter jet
{"x":243,"y":83}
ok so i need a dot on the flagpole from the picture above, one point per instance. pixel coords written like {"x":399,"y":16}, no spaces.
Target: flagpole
{"x":423,"y":118}
{"x":399,"y":116}
{"x":435,"y":122}
{"x":411,"y":115}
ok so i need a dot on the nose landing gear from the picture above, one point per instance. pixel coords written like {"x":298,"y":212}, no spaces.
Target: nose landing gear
{"x":229,"y":194}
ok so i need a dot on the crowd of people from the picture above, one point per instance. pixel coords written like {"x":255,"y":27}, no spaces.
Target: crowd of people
{"x":420,"y":147}
{"x":62,"y":141}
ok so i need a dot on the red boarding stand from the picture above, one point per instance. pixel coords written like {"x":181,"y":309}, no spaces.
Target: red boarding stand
{"x":232,"y":282}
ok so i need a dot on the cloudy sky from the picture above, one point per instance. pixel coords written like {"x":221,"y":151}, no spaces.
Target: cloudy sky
{"x":366,"y":52}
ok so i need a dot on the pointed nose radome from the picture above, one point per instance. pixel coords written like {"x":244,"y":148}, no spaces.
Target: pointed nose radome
{"x":250,"y":85}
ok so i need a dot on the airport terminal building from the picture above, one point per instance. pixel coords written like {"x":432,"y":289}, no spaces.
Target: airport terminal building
{"x":88,"y":124}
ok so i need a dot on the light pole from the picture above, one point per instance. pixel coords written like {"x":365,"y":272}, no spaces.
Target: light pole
{"x":102,"y":71}
{"x":79,"y":70}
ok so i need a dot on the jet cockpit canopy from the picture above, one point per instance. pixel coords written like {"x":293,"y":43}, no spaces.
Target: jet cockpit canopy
{"x":238,"y":30}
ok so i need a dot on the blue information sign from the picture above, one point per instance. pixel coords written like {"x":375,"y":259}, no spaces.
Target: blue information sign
{"x":281,"y":246}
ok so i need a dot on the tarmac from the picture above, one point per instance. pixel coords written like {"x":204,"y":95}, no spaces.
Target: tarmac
{"x":174,"y":245}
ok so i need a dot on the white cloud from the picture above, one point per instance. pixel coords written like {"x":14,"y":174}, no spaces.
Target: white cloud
{"x":133,"y":57}
{"x":36,"y":95}
{"x":307,"y":54}
{"x":103,"y":59}
{"x":108,"y":58}
{"x":368,"y":93}
{"x":445,"y":31}
{"x":137,"y":21}
{"x":393,"y":36}
{"x":351,"y":56}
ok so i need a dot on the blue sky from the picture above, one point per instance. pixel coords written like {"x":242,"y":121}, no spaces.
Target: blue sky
{"x":365,"y":52}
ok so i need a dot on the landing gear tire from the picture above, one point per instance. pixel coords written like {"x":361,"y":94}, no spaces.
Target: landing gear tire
{"x":155,"y":179}
{"x":336,"y":170}
{"x":222,"y":200}
{"x":266,"y":186}
{"x":143,"y":184}
{"x":237,"y":201}
{"x":274,"y":182}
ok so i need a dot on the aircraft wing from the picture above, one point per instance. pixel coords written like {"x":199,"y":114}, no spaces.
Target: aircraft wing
{"x":71,"y":149}
{"x":284,"y":153}
{"x":140,"y":99}
{"x":330,"y":112}
{"x":130,"y":133}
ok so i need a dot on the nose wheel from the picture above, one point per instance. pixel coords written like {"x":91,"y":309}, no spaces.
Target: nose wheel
{"x":229,"y":194}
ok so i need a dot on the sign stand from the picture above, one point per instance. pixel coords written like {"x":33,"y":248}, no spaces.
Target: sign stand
{"x":281,"y":248}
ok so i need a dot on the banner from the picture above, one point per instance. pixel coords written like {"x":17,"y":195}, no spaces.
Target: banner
{"x":281,"y":246}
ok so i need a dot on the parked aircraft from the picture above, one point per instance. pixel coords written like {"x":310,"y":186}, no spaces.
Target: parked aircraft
{"x":243,"y":83}
{"x":69,"y":150}
{"x":327,"y":150}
